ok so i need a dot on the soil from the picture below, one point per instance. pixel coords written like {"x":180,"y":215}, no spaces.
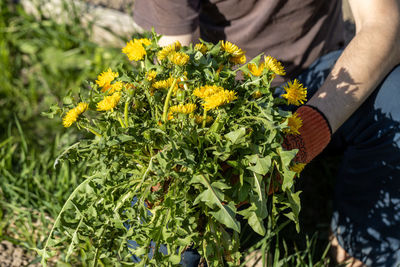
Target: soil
{"x":14,"y":256}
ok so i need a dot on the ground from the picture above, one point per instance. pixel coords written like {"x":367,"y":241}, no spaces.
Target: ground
{"x":14,"y":256}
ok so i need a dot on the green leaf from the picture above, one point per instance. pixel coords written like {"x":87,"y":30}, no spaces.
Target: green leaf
{"x":258,"y":186}
{"x":286,"y":156}
{"x":212,"y":198}
{"x":294,"y":200}
{"x":262,"y":165}
{"x":226,"y":215}
{"x":255,"y":221}
{"x":255,"y":60}
{"x":198,"y":179}
{"x":288,"y":175}
{"x":175,"y":259}
{"x":236,"y":136}
{"x":28,"y":48}
{"x":215,"y":50}
{"x":121,"y":138}
{"x":67,"y":100}
{"x":288,"y":179}
{"x":220,"y":185}
{"x":54,"y":109}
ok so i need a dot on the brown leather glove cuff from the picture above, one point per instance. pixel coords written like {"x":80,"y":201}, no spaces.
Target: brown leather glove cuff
{"x":315,"y":134}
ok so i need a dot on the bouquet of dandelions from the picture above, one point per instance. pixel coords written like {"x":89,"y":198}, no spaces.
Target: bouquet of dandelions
{"x":182,"y":148}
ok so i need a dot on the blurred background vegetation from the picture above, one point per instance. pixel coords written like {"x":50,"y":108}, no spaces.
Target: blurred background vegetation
{"x":43,"y":59}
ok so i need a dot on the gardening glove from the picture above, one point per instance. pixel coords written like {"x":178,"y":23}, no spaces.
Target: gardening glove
{"x":315,"y":134}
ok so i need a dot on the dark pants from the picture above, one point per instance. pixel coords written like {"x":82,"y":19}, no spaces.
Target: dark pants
{"x":366,"y":217}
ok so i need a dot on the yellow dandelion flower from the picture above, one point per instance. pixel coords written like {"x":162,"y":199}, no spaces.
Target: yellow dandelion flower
{"x":296,"y":94}
{"x":207,"y":90}
{"x":109,"y":102}
{"x":170,"y":116}
{"x":294,"y":124}
{"x":115,"y":87}
{"x":256,"y":94}
{"x":106,"y":77}
{"x":274,"y":65}
{"x":163,"y":53}
{"x":178,"y":58}
{"x":298,"y":167}
{"x":144,"y":41}
{"x":134,"y":50}
{"x":221,"y":98}
{"x":201,"y":47}
{"x":183,"y":108}
{"x":73,"y":114}
{"x":199,"y":119}
{"x":162,"y":84}
{"x":238,"y":60}
{"x":165,"y":84}
{"x":232,"y":49}
{"x":151,"y":75}
{"x":256,"y":71}
{"x":81,"y":107}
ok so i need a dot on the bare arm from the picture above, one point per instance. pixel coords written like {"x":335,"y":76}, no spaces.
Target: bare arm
{"x":369,"y":57}
{"x":184,"y":39}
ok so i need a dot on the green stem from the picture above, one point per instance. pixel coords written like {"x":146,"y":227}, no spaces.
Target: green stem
{"x":166,"y":104}
{"x":43,"y":262}
{"x":63,"y":153}
{"x":252,"y":82}
{"x":165,"y":222}
{"x":74,"y":236}
{"x":121,"y":122}
{"x":205,"y":252}
{"x":96,"y":257}
{"x":214,"y":127}
{"x":126,"y":113}
{"x":91,"y":130}
{"x":148,"y":98}
{"x":146,"y":171}
{"x":204,"y":118}
{"x":128,"y":195}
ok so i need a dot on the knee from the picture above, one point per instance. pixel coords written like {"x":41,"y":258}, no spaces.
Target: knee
{"x":340,"y":256}
{"x":388,"y":95}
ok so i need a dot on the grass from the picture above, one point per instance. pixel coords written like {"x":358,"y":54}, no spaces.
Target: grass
{"x":41,"y":61}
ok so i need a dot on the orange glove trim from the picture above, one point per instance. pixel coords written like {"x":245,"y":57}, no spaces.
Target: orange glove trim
{"x":315,"y":134}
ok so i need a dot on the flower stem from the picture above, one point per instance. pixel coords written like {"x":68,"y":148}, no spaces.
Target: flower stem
{"x":121,"y":122}
{"x":204,"y":118}
{"x":166,"y":104}
{"x":45,"y":255}
{"x":126,"y":113}
{"x":91,"y":130}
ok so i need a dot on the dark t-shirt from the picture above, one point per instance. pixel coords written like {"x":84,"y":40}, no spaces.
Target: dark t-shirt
{"x":296,"y":32}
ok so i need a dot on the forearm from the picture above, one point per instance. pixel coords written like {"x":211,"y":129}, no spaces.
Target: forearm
{"x":369,"y":57}
{"x":184,"y":39}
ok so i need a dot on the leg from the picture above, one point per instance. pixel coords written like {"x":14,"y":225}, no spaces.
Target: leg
{"x":366,"y":216}
{"x":366,"y":219}
{"x":339,"y":255}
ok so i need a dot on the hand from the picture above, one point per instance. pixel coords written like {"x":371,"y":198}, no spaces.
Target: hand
{"x":313,"y":136}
